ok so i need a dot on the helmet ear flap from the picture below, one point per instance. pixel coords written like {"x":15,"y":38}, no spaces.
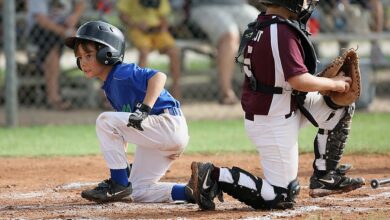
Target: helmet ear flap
{"x":108,"y":56}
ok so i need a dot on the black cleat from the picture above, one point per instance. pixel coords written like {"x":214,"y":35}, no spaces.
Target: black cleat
{"x":204,"y":188}
{"x":333,"y":183}
{"x":107,"y":191}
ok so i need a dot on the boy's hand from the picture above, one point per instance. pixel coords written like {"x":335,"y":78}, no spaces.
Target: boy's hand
{"x":141,"y":112}
{"x":347,"y":84}
{"x":342,"y":83}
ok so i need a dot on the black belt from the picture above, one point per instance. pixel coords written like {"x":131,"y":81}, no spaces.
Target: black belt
{"x":251,"y":117}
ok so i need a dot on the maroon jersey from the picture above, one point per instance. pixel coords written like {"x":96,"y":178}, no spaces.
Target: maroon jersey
{"x":276,"y":55}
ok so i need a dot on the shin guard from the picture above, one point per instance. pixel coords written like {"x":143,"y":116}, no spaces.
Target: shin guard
{"x":253,"y":197}
{"x":335,"y":141}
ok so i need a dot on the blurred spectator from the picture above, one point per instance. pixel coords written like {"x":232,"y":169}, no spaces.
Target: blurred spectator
{"x":377,"y":56}
{"x":223,"y":21}
{"x":372,"y":14}
{"x":147,"y":29}
{"x":355,"y":16}
{"x":49,"y":22}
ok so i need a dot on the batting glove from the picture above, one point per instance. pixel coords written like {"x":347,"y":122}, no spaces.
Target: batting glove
{"x":141,"y":112}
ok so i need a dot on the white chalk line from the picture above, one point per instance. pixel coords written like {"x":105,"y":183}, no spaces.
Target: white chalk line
{"x":45,"y":192}
{"x":74,"y":208}
{"x":75,"y":185}
{"x":78,"y":185}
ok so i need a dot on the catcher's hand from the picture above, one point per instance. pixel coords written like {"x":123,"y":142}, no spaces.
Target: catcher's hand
{"x":347,"y":63}
{"x":135,"y":118}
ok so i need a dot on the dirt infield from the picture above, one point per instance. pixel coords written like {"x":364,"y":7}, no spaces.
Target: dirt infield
{"x":32,"y":188}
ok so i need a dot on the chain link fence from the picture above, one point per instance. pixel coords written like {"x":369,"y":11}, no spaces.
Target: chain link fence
{"x":198,"y":71}
{"x":199,"y":78}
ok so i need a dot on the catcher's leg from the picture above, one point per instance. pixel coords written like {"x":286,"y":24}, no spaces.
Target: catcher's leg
{"x":208,"y":182}
{"x":255,"y":192}
{"x":329,"y":146}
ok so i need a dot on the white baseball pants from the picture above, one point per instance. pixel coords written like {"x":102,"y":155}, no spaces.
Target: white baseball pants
{"x":276,"y":138}
{"x":163,"y":140}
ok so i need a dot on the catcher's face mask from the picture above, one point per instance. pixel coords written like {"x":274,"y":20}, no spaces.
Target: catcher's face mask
{"x":307,"y":7}
{"x":302,"y":8}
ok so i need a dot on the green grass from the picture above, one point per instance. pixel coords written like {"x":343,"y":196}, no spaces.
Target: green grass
{"x":369,"y":135}
{"x":194,"y":65}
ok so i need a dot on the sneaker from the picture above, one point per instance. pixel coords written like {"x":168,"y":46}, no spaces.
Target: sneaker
{"x":107,"y":191}
{"x":204,"y":188}
{"x":333,"y":183}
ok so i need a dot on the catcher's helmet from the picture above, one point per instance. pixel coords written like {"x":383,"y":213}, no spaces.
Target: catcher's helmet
{"x":106,"y":34}
{"x":296,"y":6}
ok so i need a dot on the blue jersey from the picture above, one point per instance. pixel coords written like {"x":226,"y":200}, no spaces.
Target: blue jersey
{"x":126,"y":86}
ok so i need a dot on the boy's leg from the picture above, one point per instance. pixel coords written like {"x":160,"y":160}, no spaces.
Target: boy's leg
{"x":334,"y":127}
{"x":163,"y":139}
{"x":208,"y":182}
{"x":113,"y":148}
{"x":276,"y":141}
{"x":149,"y":166}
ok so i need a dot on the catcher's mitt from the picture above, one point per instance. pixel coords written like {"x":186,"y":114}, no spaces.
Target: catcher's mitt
{"x":348,"y":62}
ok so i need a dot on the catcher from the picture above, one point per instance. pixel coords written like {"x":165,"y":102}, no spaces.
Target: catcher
{"x":280,"y":96}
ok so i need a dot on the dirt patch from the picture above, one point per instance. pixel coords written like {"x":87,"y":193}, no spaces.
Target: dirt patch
{"x":50,"y":188}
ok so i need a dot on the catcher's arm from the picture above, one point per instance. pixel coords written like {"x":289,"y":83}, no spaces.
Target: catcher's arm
{"x":309,"y":83}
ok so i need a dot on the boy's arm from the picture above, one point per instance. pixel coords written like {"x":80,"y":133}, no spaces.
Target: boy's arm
{"x":309,"y":83}
{"x":78,"y":10}
{"x":155,"y":86}
{"x":45,"y":22}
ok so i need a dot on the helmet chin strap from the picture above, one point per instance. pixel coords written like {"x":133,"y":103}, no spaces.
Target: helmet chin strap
{"x":304,"y":16}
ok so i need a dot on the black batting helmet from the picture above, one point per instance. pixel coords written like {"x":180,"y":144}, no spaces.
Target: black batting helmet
{"x":296,"y":6}
{"x":106,"y":34}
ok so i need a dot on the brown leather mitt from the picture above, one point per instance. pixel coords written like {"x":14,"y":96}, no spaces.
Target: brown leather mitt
{"x":348,"y":62}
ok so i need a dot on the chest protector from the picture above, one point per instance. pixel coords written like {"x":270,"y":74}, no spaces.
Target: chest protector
{"x":310,"y":58}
